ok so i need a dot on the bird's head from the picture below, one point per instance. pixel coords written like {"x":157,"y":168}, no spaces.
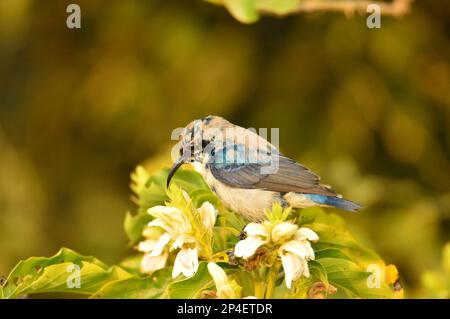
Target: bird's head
{"x":196,"y":141}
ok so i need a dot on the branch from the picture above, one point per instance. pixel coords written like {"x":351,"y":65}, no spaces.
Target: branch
{"x":395,"y":8}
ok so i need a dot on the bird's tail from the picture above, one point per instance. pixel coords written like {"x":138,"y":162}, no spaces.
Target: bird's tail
{"x":306,"y":200}
{"x":341,"y":203}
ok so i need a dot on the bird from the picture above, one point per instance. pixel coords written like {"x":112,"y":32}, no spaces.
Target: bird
{"x":248,"y":173}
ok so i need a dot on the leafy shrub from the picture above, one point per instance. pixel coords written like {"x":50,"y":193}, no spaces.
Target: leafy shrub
{"x":206,"y":233}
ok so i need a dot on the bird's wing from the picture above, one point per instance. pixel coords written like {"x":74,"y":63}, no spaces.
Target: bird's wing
{"x":263,"y":173}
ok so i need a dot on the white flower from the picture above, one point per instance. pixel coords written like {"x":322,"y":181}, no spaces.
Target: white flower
{"x":173,"y":229}
{"x":171,"y":219}
{"x":294,"y":264}
{"x":155,"y":257}
{"x":296,"y":253}
{"x":254,"y":229}
{"x":150,"y":264}
{"x":208,"y":214}
{"x":217,"y":273}
{"x":283,"y":231}
{"x":226,"y":288}
{"x":160,"y":245}
{"x":183,"y":239}
{"x":257,"y":235}
{"x":306,"y":233}
{"x":186,"y":262}
{"x":293,"y":244}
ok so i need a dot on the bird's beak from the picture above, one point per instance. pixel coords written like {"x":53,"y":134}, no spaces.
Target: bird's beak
{"x":174,"y":168}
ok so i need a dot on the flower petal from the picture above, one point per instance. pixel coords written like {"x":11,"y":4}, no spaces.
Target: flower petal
{"x":226,"y":292}
{"x":170,"y":218}
{"x":151,"y":232}
{"x":217,"y":273}
{"x":302,"y":249}
{"x":150,"y":264}
{"x":208,"y":215}
{"x":306,"y":233}
{"x":160,"y":244}
{"x":186,"y":196}
{"x":305,"y":268}
{"x":254,"y":229}
{"x":181,"y":240}
{"x":293,"y":268}
{"x":162,"y":211}
{"x":186,"y":263}
{"x":160,"y":223}
{"x":146,"y":246}
{"x":247,"y":247}
{"x":283,"y":231}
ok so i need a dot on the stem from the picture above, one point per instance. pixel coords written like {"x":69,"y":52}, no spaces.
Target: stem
{"x":259,"y":289}
{"x":394,"y":8}
{"x":260,"y":285}
{"x":271,"y":279}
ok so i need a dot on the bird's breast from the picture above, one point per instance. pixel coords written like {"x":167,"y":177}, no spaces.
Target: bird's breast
{"x":248,"y":202}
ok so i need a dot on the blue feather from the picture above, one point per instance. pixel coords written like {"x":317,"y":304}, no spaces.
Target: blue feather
{"x":334,"y":201}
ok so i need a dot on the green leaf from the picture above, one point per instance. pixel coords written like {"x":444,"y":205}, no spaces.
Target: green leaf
{"x":344,"y":258}
{"x":136,"y":287}
{"x":150,"y":190}
{"x":318,"y":271}
{"x":132,"y":264}
{"x":248,"y":11}
{"x":233,"y":220}
{"x":134,"y":225}
{"x":245,"y":280}
{"x":352,"y":278}
{"x":200,"y":196}
{"x":188,"y":179}
{"x":333,"y":234}
{"x":140,"y":179}
{"x":58,"y":274}
{"x":301,"y":288}
{"x":330,"y":252}
{"x":191,"y":288}
{"x":244,"y":11}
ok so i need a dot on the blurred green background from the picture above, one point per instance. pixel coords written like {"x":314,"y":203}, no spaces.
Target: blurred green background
{"x":369,"y":110}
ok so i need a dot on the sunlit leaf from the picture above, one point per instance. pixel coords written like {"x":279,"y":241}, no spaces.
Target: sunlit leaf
{"x":150,"y":190}
{"x":134,"y":225}
{"x":248,"y":11}
{"x":243,"y":10}
{"x":200,"y":196}
{"x":333,"y":234}
{"x":353,"y":279}
{"x":330,"y":252}
{"x":301,"y":288}
{"x":136,"y":287}
{"x":191,"y":288}
{"x":59,"y":273}
{"x":318,"y":271}
{"x":132,"y":263}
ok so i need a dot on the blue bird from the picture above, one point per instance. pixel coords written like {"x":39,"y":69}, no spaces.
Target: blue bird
{"x":248,"y":173}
